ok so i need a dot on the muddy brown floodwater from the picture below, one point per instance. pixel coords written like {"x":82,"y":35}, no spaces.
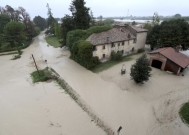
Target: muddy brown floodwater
{"x":44,"y":108}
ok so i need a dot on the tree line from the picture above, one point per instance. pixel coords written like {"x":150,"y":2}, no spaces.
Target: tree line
{"x":170,"y":33}
{"x":17,"y":29}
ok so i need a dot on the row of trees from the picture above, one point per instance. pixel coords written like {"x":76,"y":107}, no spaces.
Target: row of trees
{"x":170,"y":33}
{"x":16,"y":28}
{"x":80,"y":18}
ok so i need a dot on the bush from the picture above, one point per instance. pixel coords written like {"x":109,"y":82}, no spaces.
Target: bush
{"x":97,"y":29}
{"x":82,"y":53}
{"x":116,"y":56}
{"x":140,"y":71}
{"x":74,"y":36}
{"x":41,"y":76}
{"x":184,"y":113}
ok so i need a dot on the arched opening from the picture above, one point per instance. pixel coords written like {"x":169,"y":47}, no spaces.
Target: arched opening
{"x":156,"y":64}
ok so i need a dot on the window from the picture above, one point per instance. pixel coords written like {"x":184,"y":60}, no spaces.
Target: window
{"x":113,"y":45}
{"x":134,"y":41}
{"x":103,"y":56}
{"x":123,"y":43}
{"x":128,"y":42}
{"x":103,"y":47}
{"x":94,"y":48}
{"x":122,"y":52}
{"x":118,"y":44}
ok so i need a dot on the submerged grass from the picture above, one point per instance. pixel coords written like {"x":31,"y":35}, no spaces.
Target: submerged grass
{"x":103,"y":66}
{"x":53,"y":41}
{"x":41,"y":75}
{"x":184,"y":113}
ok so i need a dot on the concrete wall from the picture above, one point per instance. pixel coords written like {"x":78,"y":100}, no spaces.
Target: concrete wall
{"x":140,"y":40}
{"x":171,"y":66}
{"x":127,"y":48}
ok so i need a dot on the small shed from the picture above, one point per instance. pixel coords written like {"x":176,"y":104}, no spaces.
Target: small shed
{"x":168,"y":59}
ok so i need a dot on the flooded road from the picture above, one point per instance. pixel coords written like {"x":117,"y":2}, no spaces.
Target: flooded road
{"x":44,"y":108}
{"x":37,"y":109}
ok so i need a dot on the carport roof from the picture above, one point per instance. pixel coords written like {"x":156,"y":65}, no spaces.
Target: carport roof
{"x":177,"y":57}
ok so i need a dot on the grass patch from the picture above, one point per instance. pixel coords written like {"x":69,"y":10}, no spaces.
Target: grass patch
{"x":53,"y":41}
{"x":184,"y":113}
{"x":41,"y":76}
{"x":103,"y":66}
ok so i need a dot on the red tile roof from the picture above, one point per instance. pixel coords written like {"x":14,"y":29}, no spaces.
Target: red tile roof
{"x":177,"y":57}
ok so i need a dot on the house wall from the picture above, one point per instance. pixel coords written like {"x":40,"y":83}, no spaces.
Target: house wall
{"x":171,"y":66}
{"x":127,"y":48}
{"x":158,"y":57}
{"x":167,"y":65}
{"x":140,"y":40}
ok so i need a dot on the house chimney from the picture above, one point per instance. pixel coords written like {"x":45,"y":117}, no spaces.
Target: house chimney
{"x":178,"y":48}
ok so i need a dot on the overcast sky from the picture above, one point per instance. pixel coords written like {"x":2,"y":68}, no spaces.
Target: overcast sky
{"x":105,"y":8}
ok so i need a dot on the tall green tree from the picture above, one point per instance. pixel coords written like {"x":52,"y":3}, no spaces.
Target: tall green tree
{"x":50,"y":20}
{"x":4,"y":19}
{"x":140,"y":71}
{"x":66,"y":26}
{"x":14,"y":32}
{"x":80,"y":14}
{"x":92,"y":19}
{"x":155,"y":19}
{"x":57,"y":30}
{"x":29,"y":26}
{"x":40,"y":22}
{"x":82,"y":53}
{"x":170,"y":34}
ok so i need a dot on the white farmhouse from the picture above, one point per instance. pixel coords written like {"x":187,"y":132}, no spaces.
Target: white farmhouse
{"x":123,"y":38}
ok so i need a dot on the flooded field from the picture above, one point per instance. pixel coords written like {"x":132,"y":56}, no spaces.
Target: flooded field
{"x":44,"y":108}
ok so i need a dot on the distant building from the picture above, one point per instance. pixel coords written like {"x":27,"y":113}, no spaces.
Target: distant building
{"x":123,"y":38}
{"x":169,"y":59}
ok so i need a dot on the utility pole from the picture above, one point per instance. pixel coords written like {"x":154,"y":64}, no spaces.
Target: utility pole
{"x":35,"y":64}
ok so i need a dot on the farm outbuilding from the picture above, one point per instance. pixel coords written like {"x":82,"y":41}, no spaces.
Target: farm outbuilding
{"x":168,"y":59}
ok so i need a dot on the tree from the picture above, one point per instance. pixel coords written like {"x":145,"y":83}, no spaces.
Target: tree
{"x":50,"y":20}
{"x":4,"y":19}
{"x":140,"y":71}
{"x":57,"y":30}
{"x":80,"y":14}
{"x":92,"y":20}
{"x":40,"y":22}
{"x":14,"y":32}
{"x":83,"y":54}
{"x":170,"y":34}
{"x":29,"y":26}
{"x":108,"y":22}
{"x":177,"y":16}
{"x":66,"y":26}
{"x":153,"y":37}
{"x":155,"y":19}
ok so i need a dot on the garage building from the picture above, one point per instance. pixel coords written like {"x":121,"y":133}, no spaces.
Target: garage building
{"x":168,"y":59}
